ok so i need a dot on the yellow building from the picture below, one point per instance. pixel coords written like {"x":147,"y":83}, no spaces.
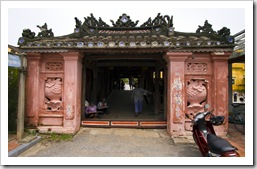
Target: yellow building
{"x":238,"y":70}
{"x":238,"y":82}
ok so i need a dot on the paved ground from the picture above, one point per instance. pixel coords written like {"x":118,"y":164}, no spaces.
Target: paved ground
{"x":120,"y":142}
{"x":115,"y":142}
{"x":237,"y":139}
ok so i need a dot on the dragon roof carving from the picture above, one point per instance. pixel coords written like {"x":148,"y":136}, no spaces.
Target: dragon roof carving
{"x":124,"y":32}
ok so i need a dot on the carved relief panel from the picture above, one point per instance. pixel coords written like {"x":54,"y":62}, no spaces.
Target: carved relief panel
{"x":53,"y":93}
{"x":53,"y":66}
{"x":198,"y":64}
{"x":198,"y":70}
{"x":197,"y":90}
{"x":52,"y":79}
{"x":196,"y":93}
{"x":197,"y":67}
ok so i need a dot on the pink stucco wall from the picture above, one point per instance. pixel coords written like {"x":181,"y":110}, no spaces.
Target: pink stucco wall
{"x":210,"y":72}
{"x":53,"y":92}
{"x":61,"y":74}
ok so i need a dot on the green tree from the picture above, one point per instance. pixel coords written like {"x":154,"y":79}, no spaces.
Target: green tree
{"x":13,"y":90}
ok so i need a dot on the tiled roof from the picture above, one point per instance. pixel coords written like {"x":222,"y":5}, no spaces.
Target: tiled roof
{"x":158,"y":33}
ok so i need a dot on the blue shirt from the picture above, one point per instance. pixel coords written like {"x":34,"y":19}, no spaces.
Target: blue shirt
{"x":138,"y":94}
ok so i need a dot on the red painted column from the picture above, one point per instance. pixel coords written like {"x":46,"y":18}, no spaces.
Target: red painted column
{"x":32,"y":89}
{"x":220,"y":88}
{"x":72,"y":91}
{"x":176,"y":90}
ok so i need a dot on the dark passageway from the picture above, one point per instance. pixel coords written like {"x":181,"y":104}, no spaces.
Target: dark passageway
{"x":122,"y":108}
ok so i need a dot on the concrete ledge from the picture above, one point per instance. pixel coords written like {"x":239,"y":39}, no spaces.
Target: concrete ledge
{"x":17,"y":151}
{"x":183,"y":140}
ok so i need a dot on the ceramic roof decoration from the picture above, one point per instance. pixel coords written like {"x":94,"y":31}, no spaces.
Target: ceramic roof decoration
{"x":157,"y":33}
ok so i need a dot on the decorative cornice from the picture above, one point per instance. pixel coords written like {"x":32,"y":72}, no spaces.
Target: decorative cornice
{"x":124,"y":33}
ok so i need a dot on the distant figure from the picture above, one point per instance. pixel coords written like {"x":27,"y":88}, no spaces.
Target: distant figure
{"x":138,"y":97}
{"x":122,"y":85}
{"x":235,"y":96}
{"x":90,"y":110}
{"x":131,"y":82}
{"x":102,"y":106}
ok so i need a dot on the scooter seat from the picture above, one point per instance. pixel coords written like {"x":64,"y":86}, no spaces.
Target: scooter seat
{"x":219,"y":145}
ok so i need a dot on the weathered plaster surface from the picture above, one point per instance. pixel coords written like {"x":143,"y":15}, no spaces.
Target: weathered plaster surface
{"x":54,"y":92}
{"x":208,"y":73}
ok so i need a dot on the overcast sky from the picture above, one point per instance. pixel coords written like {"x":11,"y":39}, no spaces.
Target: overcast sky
{"x":60,"y":17}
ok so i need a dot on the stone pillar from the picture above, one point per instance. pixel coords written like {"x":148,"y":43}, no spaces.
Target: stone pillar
{"x":176,"y":90}
{"x":21,"y":101}
{"x":72,"y":91}
{"x":32,"y":88}
{"x":83,"y":97}
{"x":220,"y":88}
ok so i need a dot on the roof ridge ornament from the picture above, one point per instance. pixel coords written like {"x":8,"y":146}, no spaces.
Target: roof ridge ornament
{"x":45,"y":32}
{"x":159,"y":20}
{"x":78,"y":23}
{"x":124,"y":25}
{"x":223,"y":33}
{"x":124,"y":21}
{"x":91,"y":21}
{"x":157,"y":32}
{"x":207,"y":28}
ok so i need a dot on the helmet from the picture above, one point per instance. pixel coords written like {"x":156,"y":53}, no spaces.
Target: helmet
{"x":217,"y":120}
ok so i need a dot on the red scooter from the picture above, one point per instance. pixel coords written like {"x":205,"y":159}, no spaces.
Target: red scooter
{"x":210,"y":145}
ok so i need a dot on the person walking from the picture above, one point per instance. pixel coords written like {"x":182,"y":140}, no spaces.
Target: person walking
{"x":138,"y":97}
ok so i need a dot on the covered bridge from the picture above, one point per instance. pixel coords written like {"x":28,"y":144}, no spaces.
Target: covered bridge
{"x":184,"y":71}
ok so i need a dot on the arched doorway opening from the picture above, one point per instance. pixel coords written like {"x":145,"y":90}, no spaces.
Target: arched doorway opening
{"x":102,"y":78}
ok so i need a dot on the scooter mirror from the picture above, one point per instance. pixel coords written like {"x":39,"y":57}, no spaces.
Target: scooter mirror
{"x":207,"y":106}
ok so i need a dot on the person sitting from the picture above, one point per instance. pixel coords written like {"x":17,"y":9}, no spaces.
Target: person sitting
{"x":86,"y":103}
{"x":91,"y":110}
{"x":102,"y":106}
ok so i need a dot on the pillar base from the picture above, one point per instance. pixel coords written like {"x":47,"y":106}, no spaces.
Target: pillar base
{"x":56,"y":129}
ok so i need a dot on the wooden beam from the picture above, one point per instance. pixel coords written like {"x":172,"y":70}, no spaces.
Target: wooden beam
{"x":125,"y":64}
{"x":123,"y":57}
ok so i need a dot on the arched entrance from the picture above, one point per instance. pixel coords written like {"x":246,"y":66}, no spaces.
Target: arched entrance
{"x":103,"y":73}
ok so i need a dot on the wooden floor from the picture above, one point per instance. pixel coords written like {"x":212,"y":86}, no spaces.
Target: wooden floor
{"x":121,"y":114}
